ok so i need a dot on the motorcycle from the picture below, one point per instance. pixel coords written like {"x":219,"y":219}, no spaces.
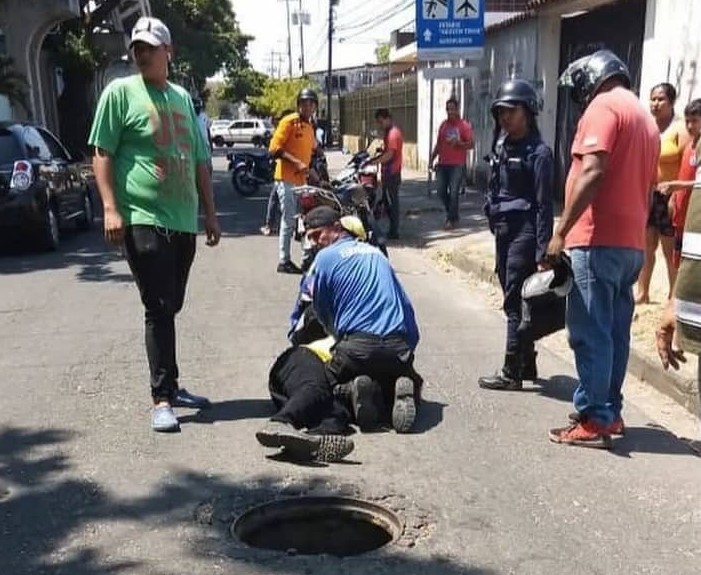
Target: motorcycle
{"x":250,"y":170}
{"x":350,"y":199}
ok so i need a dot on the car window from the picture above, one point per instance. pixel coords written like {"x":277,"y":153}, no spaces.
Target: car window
{"x":248,"y":125}
{"x":235,"y":125}
{"x":10,"y":149}
{"x":35,"y":144}
{"x":56,"y":149}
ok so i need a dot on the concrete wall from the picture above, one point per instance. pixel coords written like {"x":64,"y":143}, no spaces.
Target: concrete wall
{"x":529,"y":50}
{"x":672,"y":48}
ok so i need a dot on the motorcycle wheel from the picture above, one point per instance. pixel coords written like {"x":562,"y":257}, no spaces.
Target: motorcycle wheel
{"x":243,"y":183}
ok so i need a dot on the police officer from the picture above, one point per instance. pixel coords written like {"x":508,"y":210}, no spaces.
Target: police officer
{"x":520,"y":213}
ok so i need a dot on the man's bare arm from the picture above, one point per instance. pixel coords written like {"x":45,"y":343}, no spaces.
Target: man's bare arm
{"x":104,"y":177}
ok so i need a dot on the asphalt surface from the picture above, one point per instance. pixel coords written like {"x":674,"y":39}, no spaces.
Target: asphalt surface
{"x":92,"y":490}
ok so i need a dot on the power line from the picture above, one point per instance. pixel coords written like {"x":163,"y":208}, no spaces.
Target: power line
{"x":373,"y":23}
{"x":358,"y":15}
{"x":391,"y":12}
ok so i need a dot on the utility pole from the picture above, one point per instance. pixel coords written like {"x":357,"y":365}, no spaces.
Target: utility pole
{"x":301,"y":37}
{"x":329,"y":76}
{"x":289,"y":38}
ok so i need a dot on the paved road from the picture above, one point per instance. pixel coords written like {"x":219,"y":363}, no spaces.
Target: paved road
{"x":94,"y":491}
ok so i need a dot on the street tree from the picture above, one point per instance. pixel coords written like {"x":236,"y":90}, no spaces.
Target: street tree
{"x":207,"y":39}
{"x":278,"y":96}
{"x":382,"y":53}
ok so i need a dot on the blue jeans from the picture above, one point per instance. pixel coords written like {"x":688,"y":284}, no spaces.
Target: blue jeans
{"x":288,"y":208}
{"x":448,"y":180}
{"x":599,"y":314}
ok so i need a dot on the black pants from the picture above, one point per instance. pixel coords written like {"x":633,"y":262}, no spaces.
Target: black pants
{"x":160,"y":261}
{"x":390,"y":190}
{"x":301,"y":392}
{"x":384,"y":359}
{"x":516,"y":251}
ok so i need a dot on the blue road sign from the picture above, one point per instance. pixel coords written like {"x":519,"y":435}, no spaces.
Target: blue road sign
{"x":449,"y":29}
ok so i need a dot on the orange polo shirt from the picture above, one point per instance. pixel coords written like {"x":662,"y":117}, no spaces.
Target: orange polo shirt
{"x":295,"y":136}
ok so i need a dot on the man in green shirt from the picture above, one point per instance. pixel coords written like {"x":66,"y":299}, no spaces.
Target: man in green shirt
{"x":151,"y":167}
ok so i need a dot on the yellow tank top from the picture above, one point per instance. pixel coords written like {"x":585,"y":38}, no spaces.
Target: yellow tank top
{"x":670,"y":154}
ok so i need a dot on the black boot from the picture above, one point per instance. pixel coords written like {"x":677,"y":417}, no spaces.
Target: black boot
{"x":510,"y":377}
{"x":529,"y":368}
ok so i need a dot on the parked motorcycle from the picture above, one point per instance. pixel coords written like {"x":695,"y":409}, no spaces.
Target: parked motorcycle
{"x":250,"y":170}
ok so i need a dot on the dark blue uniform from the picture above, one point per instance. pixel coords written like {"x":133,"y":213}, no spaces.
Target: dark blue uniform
{"x":519,"y":207}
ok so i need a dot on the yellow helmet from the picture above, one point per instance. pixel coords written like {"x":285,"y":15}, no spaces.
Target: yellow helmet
{"x":354,"y":226}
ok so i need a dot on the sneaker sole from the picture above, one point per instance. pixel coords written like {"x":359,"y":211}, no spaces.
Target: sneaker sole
{"x":334,"y":448}
{"x":365,"y":390}
{"x":404,"y":408}
{"x":602,"y":443}
{"x":300,"y":445}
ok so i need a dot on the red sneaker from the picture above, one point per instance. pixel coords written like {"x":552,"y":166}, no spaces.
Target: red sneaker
{"x":583,"y":434}
{"x":617,"y":428}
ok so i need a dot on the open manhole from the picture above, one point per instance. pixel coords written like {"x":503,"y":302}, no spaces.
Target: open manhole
{"x":337,"y":526}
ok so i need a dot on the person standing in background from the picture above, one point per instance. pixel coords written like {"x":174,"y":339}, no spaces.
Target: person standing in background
{"x":293,"y":144}
{"x":673,"y":139}
{"x":391,"y":167}
{"x":455,"y":138}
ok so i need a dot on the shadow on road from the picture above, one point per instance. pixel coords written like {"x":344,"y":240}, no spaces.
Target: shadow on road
{"x":52,"y":520}
{"x":232,"y":410}
{"x":428,"y":416}
{"x":651,"y":439}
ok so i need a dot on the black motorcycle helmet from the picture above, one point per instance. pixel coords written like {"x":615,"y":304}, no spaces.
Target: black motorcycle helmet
{"x":586,"y":75}
{"x":514,"y":92}
{"x":307,"y":94}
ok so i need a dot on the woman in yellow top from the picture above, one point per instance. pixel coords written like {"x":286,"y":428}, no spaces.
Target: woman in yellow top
{"x":674,"y":139}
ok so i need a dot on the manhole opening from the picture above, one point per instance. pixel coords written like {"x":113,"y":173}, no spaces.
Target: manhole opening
{"x":337,"y":526}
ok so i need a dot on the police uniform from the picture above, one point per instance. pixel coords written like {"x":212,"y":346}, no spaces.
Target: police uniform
{"x":520,"y":213}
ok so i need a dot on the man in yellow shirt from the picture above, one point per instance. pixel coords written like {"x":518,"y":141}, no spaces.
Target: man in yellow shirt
{"x":292,"y":144}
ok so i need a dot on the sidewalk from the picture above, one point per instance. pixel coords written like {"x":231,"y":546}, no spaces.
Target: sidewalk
{"x":470,"y":248}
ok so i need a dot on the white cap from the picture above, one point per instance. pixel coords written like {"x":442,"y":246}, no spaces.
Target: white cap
{"x":150,"y":30}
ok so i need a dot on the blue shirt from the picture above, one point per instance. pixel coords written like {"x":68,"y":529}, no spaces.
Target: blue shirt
{"x":355,"y":289}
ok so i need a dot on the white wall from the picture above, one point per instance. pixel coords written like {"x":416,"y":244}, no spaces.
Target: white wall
{"x":529,"y":50}
{"x":672,"y":48}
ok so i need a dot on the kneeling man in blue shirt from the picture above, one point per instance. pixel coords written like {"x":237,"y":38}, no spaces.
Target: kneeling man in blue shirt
{"x":358,"y":299}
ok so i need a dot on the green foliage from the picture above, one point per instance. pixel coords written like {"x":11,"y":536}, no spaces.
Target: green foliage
{"x":206,"y":40}
{"x":13,"y":85}
{"x":278,"y":96}
{"x":382,"y":53}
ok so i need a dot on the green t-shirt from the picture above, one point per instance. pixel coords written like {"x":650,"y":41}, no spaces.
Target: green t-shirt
{"x":153,"y":138}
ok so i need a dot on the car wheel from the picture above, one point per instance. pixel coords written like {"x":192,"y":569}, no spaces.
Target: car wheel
{"x":50,"y":234}
{"x":218,"y":141}
{"x":85,"y":222}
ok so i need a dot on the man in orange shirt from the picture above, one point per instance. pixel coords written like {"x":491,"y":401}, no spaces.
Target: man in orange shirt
{"x":614,"y":169}
{"x":391,"y":164}
{"x":292,"y":144}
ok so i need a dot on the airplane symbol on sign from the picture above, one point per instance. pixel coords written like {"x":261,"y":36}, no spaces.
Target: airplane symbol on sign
{"x":465,"y":10}
{"x":431,"y":8}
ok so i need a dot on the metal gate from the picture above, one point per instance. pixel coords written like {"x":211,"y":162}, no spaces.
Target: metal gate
{"x":620,"y":28}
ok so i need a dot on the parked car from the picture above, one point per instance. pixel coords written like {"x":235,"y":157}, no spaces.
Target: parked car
{"x":42,"y":188}
{"x":249,"y":131}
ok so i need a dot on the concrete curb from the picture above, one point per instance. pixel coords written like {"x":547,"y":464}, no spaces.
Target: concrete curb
{"x":677,"y":388}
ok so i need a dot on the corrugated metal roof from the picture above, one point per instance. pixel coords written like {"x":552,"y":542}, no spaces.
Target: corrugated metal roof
{"x":523,"y":16}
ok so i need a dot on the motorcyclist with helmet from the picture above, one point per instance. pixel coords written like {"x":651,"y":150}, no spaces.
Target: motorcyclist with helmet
{"x":615,"y":154}
{"x":293,"y":144}
{"x":520,"y":213}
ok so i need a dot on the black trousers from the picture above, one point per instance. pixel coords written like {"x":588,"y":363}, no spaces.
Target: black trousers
{"x":384,"y":359}
{"x":390,"y":188}
{"x":160,"y":261}
{"x":516,"y":251}
{"x":301,"y":392}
